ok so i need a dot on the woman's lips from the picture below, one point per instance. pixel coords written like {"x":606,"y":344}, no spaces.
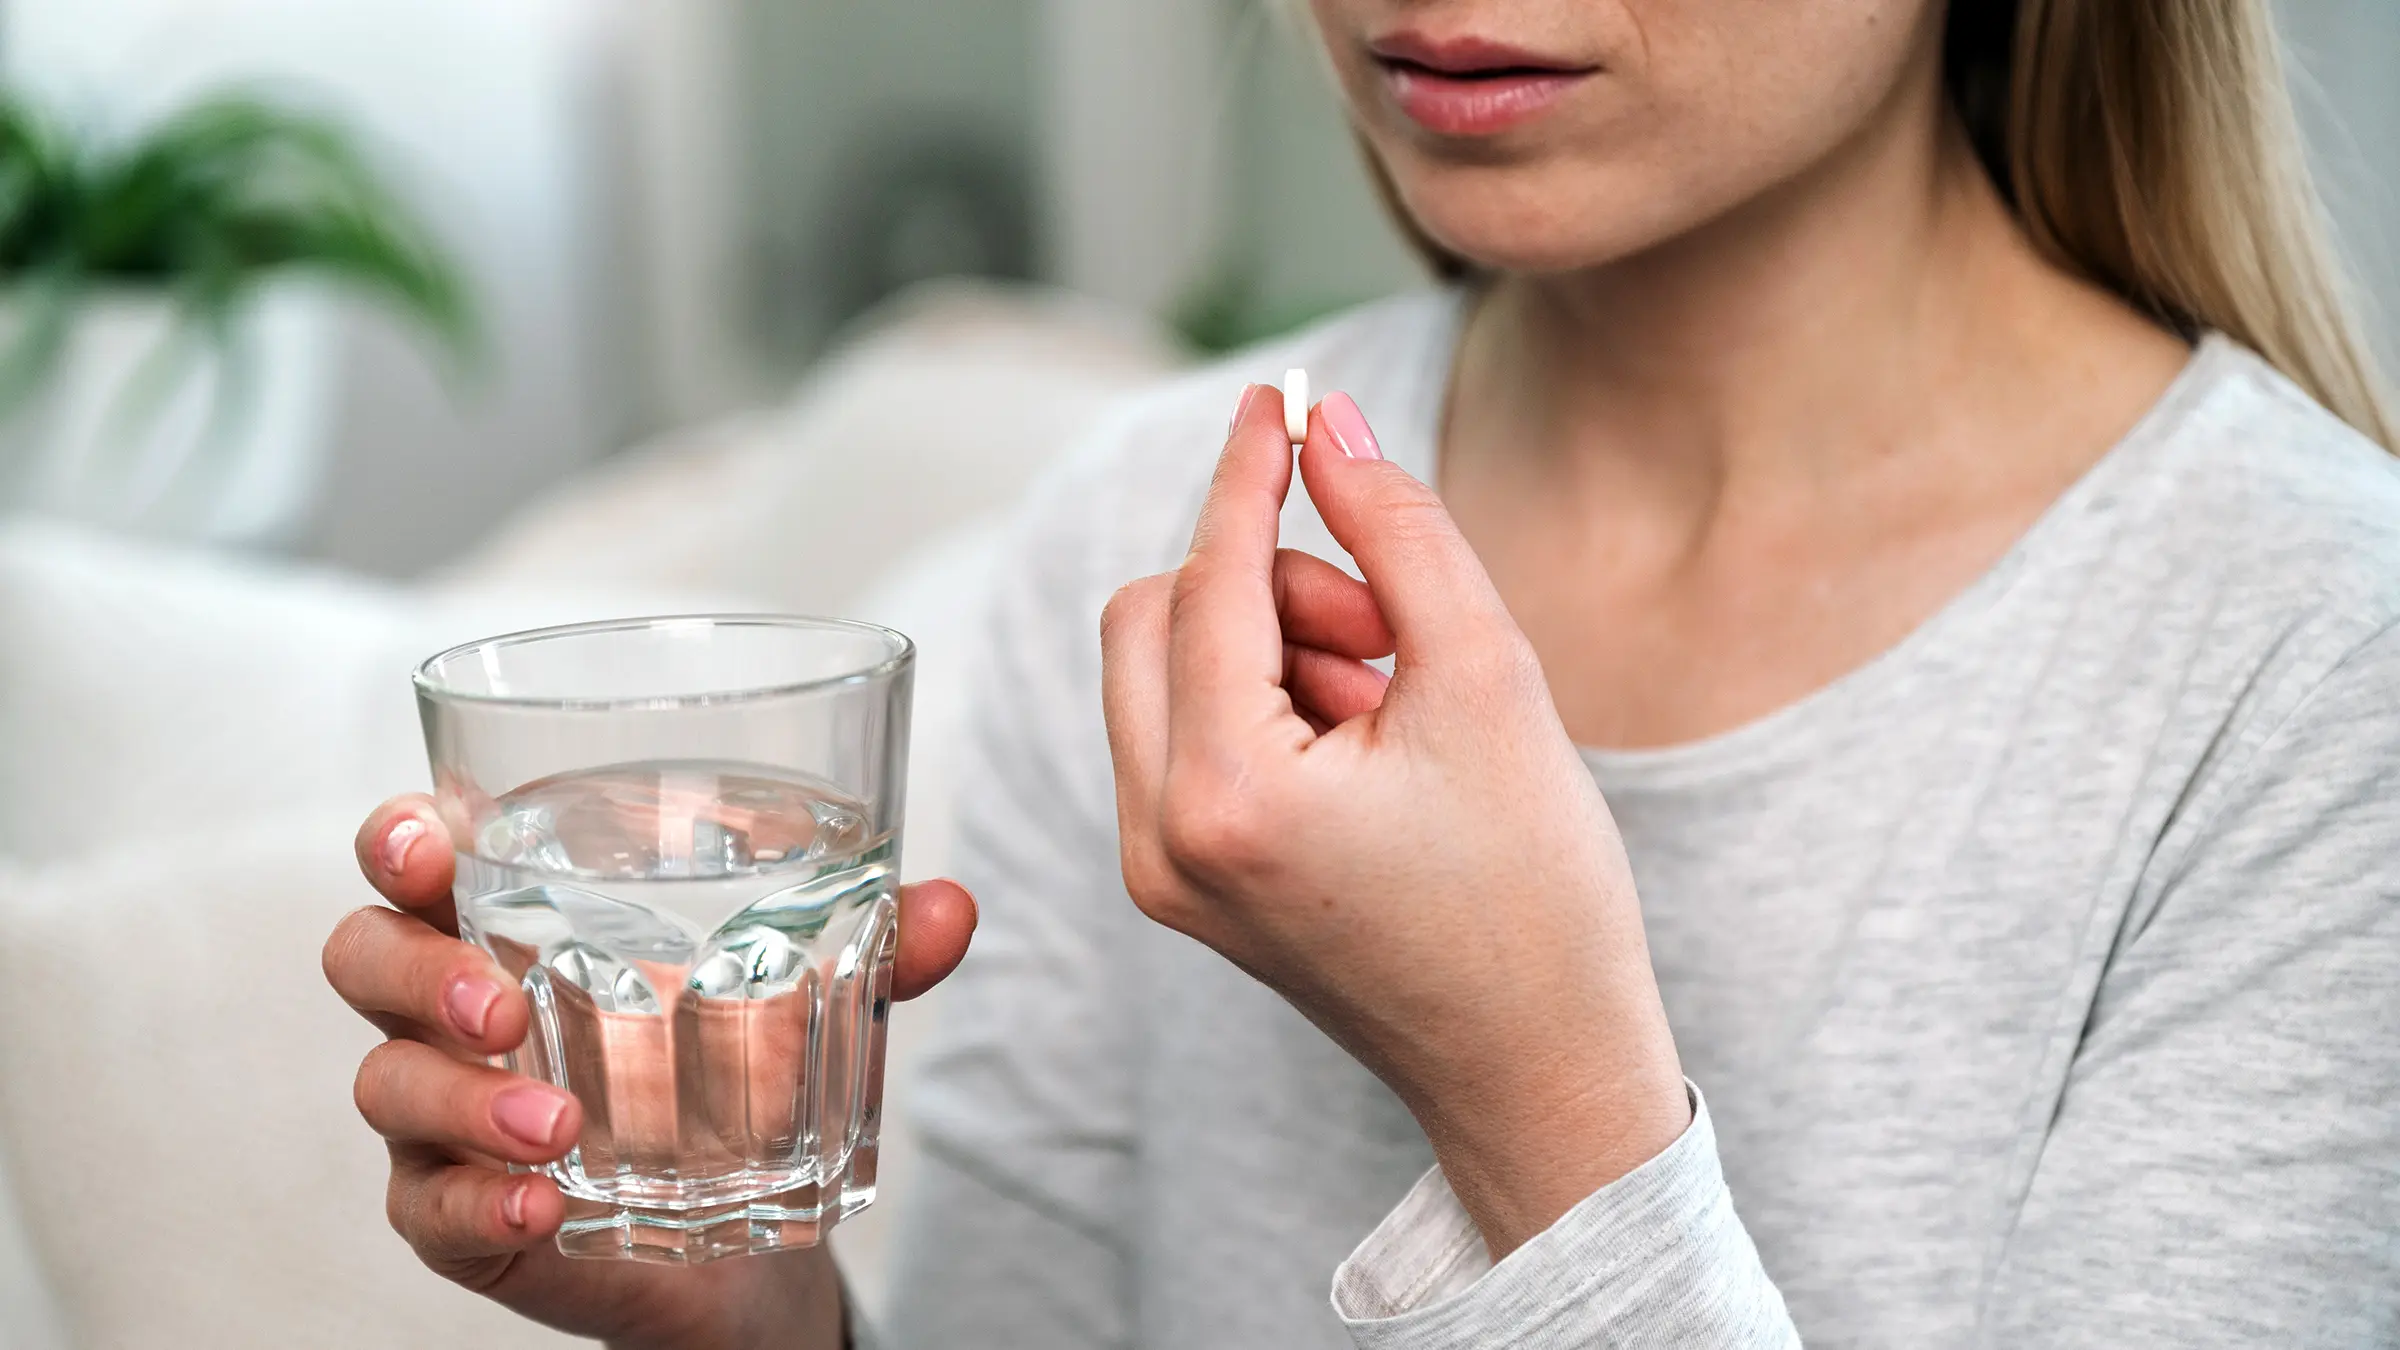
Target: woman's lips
{"x":1471,"y":87}
{"x":1449,"y":105}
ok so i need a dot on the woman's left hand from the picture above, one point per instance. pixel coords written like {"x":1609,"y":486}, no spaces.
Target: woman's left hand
{"x":1425,"y":867}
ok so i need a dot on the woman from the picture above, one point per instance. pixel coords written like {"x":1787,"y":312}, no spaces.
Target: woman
{"x":1901,"y":648}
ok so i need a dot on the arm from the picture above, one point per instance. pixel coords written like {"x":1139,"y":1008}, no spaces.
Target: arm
{"x":2225,"y":1162}
{"x":1274,"y":793}
{"x":2225,"y":1166}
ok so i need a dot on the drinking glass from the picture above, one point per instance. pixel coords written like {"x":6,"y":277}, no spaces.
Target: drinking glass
{"x":682,"y":835}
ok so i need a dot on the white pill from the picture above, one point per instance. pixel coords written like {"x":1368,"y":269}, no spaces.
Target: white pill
{"x":1295,"y":404}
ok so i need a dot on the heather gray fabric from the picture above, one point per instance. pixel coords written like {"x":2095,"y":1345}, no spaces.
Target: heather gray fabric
{"x":2038,"y":976}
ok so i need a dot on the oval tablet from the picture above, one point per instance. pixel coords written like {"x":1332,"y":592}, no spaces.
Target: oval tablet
{"x":1295,"y":404}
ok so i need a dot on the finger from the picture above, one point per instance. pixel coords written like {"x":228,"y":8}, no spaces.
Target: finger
{"x":1133,"y":698}
{"x":404,"y":850}
{"x":387,"y":964}
{"x":1225,"y":643}
{"x":414,"y":1094}
{"x":1327,"y":608}
{"x":1331,"y":688}
{"x":937,"y":920}
{"x":1428,"y":584}
{"x":453,"y":1213}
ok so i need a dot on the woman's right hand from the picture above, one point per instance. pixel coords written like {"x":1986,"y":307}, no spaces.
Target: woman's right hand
{"x":453,"y":1122}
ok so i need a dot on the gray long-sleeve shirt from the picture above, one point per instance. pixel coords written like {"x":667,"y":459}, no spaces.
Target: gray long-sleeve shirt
{"x":2038,"y":979}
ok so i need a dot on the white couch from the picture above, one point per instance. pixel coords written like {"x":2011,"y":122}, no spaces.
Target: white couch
{"x":187,"y":742}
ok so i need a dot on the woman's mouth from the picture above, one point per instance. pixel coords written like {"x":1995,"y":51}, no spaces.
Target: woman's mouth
{"x":1470,"y":87}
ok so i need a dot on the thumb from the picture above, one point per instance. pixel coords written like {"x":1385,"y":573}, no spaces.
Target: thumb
{"x":937,"y":919}
{"x":1429,"y":584}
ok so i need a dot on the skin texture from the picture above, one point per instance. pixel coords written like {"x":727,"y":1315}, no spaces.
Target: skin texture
{"x":1762,"y":373}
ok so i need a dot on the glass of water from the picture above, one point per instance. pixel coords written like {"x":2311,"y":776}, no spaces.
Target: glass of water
{"x":683,"y":836}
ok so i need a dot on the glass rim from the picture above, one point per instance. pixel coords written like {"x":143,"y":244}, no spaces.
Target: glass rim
{"x":900,"y":650}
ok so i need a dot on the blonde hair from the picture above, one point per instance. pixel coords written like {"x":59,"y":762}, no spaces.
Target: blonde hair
{"x":2151,"y":146}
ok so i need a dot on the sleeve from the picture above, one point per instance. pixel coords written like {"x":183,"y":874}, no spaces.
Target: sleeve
{"x":1656,"y":1257}
{"x":2223,"y":1167}
{"x":1026,"y":1098}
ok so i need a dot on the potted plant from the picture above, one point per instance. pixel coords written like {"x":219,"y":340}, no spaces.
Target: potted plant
{"x":166,"y":355}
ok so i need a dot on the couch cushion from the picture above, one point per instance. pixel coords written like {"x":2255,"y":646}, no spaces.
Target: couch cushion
{"x":175,"y":1100}
{"x":942,"y":412}
{"x":146,"y":687}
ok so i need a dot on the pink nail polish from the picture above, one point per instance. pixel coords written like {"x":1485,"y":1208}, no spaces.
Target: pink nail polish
{"x":469,"y":1002}
{"x":1241,"y":406}
{"x":1349,"y":427}
{"x":397,"y":841}
{"x":528,"y":1114}
{"x":512,"y":1205}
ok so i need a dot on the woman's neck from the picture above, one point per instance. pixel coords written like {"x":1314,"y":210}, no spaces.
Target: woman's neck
{"x":1887,"y":305}
{"x":1711,"y":479}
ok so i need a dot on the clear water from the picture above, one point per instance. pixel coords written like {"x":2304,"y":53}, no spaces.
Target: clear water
{"x":708,"y":949}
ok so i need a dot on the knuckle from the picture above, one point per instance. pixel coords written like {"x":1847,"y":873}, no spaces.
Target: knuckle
{"x":371,"y":1089}
{"x":1209,"y":829}
{"x":1161,"y":897}
{"x":457,"y":960}
{"x":400,"y":1204}
{"x":1127,"y":607}
{"x":1168,"y":910}
{"x":434,"y":1208}
{"x":426,"y":1211}
{"x":1143,"y":876}
{"x":1418,"y":527}
{"x":457,"y":1205}
{"x":345,"y":946}
{"x":1112,"y":614}
{"x":1153,"y":885}
{"x":1401,"y":502}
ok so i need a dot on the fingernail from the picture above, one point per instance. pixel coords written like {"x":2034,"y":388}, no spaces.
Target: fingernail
{"x":1249,"y":396}
{"x":529,"y":1114}
{"x":512,"y":1205}
{"x":470,"y":1003}
{"x":397,"y":841}
{"x":1349,"y":427}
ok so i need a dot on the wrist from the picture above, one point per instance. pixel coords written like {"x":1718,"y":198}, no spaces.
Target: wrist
{"x":1522,"y":1143}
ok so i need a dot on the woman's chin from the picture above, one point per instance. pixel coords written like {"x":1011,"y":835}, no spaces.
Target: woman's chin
{"x":1533,"y":231}
{"x":1510,"y":247}
{"x":1554,"y":231}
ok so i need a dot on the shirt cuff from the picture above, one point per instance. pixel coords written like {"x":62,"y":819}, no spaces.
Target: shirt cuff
{"x":1655,"y":1257}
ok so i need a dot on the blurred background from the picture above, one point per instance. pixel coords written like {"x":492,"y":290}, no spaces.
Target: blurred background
{"x":666,"y":212}
{"x":563,"y":308}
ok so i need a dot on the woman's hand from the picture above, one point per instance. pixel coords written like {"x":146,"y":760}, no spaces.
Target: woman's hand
{"x":1424,"y":868}
{"x":453,"y":1121}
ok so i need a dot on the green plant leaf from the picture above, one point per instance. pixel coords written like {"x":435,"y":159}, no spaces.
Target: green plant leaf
{"x":207,"y":205}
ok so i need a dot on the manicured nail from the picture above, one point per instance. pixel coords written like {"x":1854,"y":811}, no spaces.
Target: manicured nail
{"x":397,"y":841}
{"x":529,"y":1114}
{"x":1249,"y":396}
{"x":1349,"y":427}
{"x":470,"y":1003}
{"x":512,"y":1205}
